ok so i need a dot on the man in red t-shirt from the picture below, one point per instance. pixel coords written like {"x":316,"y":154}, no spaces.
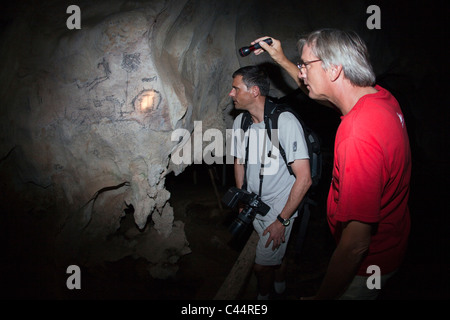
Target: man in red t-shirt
{"x":371,"y":173}
{"x":367,"y":207}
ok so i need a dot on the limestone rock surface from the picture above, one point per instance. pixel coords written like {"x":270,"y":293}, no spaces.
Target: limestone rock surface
{"x":87,"y":116}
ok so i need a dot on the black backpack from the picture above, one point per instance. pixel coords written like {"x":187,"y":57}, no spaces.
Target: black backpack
{"x":272,"y":112}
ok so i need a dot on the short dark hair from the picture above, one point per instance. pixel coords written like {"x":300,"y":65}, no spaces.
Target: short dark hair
{"x":254,"y":76}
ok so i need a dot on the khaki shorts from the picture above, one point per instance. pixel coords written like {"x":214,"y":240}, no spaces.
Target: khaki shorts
{"x":267,"y":256}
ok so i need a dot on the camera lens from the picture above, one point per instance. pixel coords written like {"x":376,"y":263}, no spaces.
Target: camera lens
{"x":237,"y":227}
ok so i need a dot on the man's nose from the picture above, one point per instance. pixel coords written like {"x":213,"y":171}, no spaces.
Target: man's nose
{"x":301,"y":75}
{"x":231,"y":94}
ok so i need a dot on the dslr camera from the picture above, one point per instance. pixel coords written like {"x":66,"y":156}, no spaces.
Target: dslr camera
{"x":252,"y":205}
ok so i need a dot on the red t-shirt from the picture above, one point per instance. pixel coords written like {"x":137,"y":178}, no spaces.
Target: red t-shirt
{"x":371,"y":175}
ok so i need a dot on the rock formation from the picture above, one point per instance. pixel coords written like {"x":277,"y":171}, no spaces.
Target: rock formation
{"x":87,"y":114}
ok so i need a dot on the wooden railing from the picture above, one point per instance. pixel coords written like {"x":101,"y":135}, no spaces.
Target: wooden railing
{"x":237,"y":279}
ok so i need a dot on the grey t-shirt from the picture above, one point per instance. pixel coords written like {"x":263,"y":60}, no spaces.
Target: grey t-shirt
{"x":277,"y":181}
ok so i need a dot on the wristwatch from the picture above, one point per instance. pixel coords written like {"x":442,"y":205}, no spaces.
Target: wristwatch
{"x":284,"y":222}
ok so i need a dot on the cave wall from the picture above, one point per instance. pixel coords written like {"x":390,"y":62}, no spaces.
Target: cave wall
{"x":87,"y":115}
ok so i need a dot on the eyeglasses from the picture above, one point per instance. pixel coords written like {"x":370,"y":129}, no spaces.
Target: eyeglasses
{"x":301,"y":65}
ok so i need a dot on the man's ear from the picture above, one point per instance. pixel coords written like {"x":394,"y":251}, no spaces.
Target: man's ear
{"x":255,"y":91}
{"x":334,"y":72}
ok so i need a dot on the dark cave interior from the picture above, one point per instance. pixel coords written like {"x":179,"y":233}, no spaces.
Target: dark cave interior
{"x":27,"y":273}
{"x":424,"y":275}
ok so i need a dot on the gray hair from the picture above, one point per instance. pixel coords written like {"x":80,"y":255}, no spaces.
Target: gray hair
{"x":346,"y":48}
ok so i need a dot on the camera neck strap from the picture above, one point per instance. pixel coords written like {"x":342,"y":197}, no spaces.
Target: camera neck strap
{"x":263,"y":159}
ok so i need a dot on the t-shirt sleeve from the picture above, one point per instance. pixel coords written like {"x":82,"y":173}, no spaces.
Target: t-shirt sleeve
{"x":360,"y":181}
{"x":292,"y":138}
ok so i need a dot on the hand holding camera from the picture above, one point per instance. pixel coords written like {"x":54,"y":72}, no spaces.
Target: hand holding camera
{"x":252,"y":205}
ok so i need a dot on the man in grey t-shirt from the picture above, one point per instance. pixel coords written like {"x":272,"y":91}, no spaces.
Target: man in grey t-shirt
{"x":280,"y":190}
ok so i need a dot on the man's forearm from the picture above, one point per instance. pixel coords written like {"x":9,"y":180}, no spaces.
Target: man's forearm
{"x":291,"y":69}
{"x":346,"y":259}
{"x":296,"y":195}
{"x":301,"y":185}
{"x":238,"y":173}
{"x":341,"y":270}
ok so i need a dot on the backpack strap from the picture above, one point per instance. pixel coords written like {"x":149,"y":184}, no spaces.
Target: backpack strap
{"x":272,"y":113}
{"x":246,"y":122}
